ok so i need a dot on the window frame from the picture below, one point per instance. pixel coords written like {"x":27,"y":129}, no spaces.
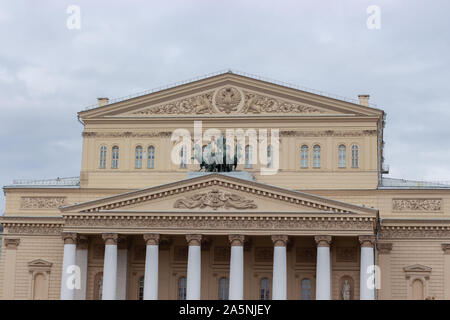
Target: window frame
{"x":115,"y":153}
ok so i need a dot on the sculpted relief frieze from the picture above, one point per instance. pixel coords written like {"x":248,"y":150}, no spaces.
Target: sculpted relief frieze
{"x":42,"y":202}
{"x":209,"y":222}
{"x":228,"y":100}
{"x":411,"y":205}
{"x":215,"y":199}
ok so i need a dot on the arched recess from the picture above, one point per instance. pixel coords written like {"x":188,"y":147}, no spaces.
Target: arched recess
{"x":346,"y":288}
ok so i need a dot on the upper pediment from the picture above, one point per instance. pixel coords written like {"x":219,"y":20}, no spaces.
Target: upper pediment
{"x":217,"y":193}
{"x":228,"y":95}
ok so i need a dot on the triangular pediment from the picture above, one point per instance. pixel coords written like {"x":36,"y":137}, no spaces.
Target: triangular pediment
{"x":217,"y":193}
{"x":417,"y":268}
{"x":40,"y":263}
{"x":229,"y":95}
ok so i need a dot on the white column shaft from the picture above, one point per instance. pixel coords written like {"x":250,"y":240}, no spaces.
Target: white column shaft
{"x":110,"y":272}
{"x":67,"y":285}
{"x":236,"y":273}
{"x":323,"y":274}
{"x":194,"y":273}
{"x":151,"y":273}
{"x":367,"y":276}
{"x":122,"y":265}
{"x":279,"y":273}
{"x":82,"y":262}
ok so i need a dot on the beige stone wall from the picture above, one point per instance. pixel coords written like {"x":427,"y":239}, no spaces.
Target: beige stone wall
{"x":49,"y":248}
{"x":329,"y":135}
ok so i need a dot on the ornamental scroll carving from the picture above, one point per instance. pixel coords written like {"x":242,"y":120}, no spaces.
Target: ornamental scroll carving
{"x":215,"y":199}
{"x":256,"y":103}
{"x":200,"y":104}
{"x":228,"y":99}
{"x":42,"y":202}
{"x":417,"y":204}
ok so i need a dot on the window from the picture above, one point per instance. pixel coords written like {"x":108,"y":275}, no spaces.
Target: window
{"x":151,"y":157}
{"x":183,"y":157}
{"x":102,"y":164}
{"x":115,"y":157}
{"x":141,"y":289}
{"x":264,"y":289}
{"x":316,"y":156}
{"x":304,"y":154}
{"x":182,"y":288}
{"x":306,"y":289}
{"x":269,"y":157}
{"x":355,"y":156}
{"x":248,"y":157}
{"x":223,"y":288}
{"x":342,"y":156}
{"x":138,"y":157}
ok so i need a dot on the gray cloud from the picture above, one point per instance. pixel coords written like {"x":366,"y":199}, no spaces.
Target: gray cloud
{"x":48,"y":73}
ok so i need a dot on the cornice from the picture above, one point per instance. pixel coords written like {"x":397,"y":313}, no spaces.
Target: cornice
{"x":32,"y":225}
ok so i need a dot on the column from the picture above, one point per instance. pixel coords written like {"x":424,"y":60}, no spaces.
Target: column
{"x":384,"y":261}
{"x":122,"y":267}
{"x":151,"y":267}
{"x":110,"y":267}
{"x":82,"y":262}
{"x":323,"y":268}
{"x":69,"y":260}
{"x":279,"y":279}
{"x":10,"y":244}
{"x":194,"y":274}
{"x":446,"y":249}
{"x":367,"y":270}
{"x":236,"y":289}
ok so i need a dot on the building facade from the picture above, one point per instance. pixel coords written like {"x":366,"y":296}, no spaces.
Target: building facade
{"x":138,"y":224}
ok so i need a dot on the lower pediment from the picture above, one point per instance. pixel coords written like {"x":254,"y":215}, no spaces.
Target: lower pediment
{"x":217,"y":193}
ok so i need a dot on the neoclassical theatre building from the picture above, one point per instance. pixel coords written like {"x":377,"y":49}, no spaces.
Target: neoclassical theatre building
{"x":137,"y":225}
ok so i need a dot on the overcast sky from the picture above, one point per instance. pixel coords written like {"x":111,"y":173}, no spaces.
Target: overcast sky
{"x":48,"y":72}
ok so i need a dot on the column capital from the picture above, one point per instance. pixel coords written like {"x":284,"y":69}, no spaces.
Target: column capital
{"x":236,"y":240}
{"x":279,"y":240}
{"x":384,"y":247}
{"x":446,"y":248}
{"x":82,"y":242}
{"x":110,"y":238}
{"x":69,"y":237}
{"x":194,"y":239}
{"x":151,"y":239}
{"x":11,"y":243}
{"x":323,"y":241}
{"x":367,"y":241}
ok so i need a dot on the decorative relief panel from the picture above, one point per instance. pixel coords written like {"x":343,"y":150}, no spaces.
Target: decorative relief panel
{"x":98,"y":251}
{"x":180,"y":253}
{"x":199,"y":104}
{"x":426,"y":205}
{"x":139,"y":252}
{"x":228,"y":99}
{"x":346,"y":254}
{"x":42,"y":202}
{"x":263,"y":254}
{"x":305,"y":255}
{"x":215,"y":199}
{"x":222,"y":254}
{"x":256,"y":103}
